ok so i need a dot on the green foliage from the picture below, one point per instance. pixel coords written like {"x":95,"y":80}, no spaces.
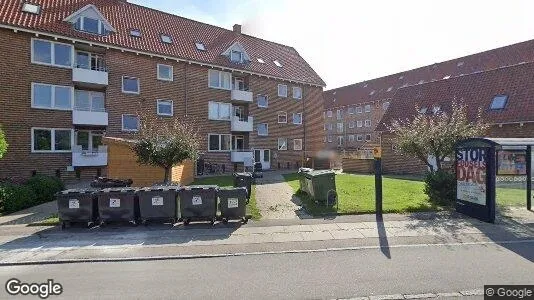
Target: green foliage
{"x":3,"y":143}
{"x":14,"y":197}
{"x":45,"y":188}
{"x":436,"y":133}
{"x":440,"y":186}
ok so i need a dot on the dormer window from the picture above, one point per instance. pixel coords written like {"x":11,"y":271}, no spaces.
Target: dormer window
{"x":31,"y":8}
{"x":436,"y":109}
{"x":90,"y":25}
{"x":261,"y":61}
{"x":89,"y":19}
{"x":166,"y":39}
{"x":236,"y":53}
{"x":236,"y":56}
{"x":135,"y":32}
{"x":277,"y":63}
{"x":200,"y":46}
{"x":423,"y":110}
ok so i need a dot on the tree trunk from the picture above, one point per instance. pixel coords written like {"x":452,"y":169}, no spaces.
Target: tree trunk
{"x":167,"y":174}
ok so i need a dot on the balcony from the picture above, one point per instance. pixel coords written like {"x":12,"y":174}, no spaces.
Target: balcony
{"x":93,"y":118}
{"x":242,"y":96}
{"x":89,"y":109}
{"x":95,"y":158}
{"x":242,"y":124}
{"x":94,"y":78}
{"x":242,"y":156}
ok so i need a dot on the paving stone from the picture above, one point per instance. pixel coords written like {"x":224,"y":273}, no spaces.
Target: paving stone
{"x":346,"y":234}
{"x":352,"y":226}
{"x":317,"y":236}
{"x":386,"y":297}
{"x":325,"y":227}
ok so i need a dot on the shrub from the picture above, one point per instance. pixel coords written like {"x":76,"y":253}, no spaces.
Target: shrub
{"x":45,"y":188}
{"x":440,"y":187}
{"x":14,"y":197}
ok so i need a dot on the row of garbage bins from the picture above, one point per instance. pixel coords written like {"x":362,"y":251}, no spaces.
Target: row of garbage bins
{"x":157,"y":203}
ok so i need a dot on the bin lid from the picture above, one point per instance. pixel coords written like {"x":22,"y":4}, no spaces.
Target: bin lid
{"x":229,"y":188}
{"x":119,"y":190}
{"x":305,"y":170}
{"x":243,"y":174}
{"x":79,"y":191}
{"x":204,"y":187}
{"x":317,"y":173}
{"x":160,"y":188}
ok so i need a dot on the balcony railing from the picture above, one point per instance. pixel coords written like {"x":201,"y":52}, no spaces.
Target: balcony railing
{"x":89,"y":158}
{"x":94,"y":73}
{"x":85,"y":114}
{"x":244,"y":124}
{"x":242,"y":156}
{"x":242,"y":95}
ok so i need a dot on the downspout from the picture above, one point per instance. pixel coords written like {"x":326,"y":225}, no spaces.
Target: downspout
{"x":303,"y":160}
{"x":185,"y":90}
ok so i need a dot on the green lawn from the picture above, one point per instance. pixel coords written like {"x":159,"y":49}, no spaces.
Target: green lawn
{"x":52,"y":220}
{"x":228,"y":181}
{"x":511,"y":197}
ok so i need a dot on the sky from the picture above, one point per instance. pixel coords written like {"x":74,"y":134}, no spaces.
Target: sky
{"x":349,"y":41}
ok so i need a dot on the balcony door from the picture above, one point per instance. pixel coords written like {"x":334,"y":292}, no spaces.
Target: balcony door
{"x":87,"y":141}
{"x":263,"y":156}
{"x":238,"y":143}
{"x":239,"y":112}
{"x":89,"y":61}
{"x":239,"y":83}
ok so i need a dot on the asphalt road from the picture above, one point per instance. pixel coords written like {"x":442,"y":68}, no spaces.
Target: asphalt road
{"x":322,"y":275}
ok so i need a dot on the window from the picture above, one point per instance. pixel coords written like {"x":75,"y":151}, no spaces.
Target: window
{"x":372,"y":93}
{"x":135,"y":32}
{"x":165,"y":107}
{"x":385,"y":105}
{"x":165,"y":72}
{"x":329,"y":138}
{"x":359,"y":138}
{"x":219,"y":110}
{"x":51,"y":140}
{"x":367,"y":123}
{"x":130,"y":85}
{"x":297,"y":118}
{"x":51,"y":53}
{"x":436,"y":109}
{"x":200,"y":46}
{"x":330,"y":126}
{"x":499,"y":102}
{"x":51,"y":96}
{"x":31,"y":8}
{"x":368,"y":108}
{"x":359,"y":123}
{"x":166,"y":39}
{"x":339,"y":114}
{"x":261,"y":61}
{"x":423,"y":110}
{"x":89,"y":61}
{"x":390,"y":89}
{"x":359,"y":109}
{"x":340,"y":127}
{"x":297,"y":92}
{"x":90,"y":25}
{"x":263,"y":129}
{"x":340,"y":140}
{"x":89,"y":101}
{"x":220,"y":142}
{"x":351,"y":124}
{"x":130,"y":123}
{"x":351,"y":110}
{"x":263,"y":101}
{"x":282,"y":143}
{"x":277,"y":63}
{"x":236,"y":56}
{"x":367,"y":137}
{"x":297,"y":144}
{"x":329,"y":113}
{"x":351,"y":138}
{"x":219,"y":80}
{"x":282,"y":90}
{"x":282,"y":117}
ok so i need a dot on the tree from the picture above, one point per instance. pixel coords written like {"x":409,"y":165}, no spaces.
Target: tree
{"x":3,"y":143}
{"x":166,"y":143}
{"x":435,"y":134}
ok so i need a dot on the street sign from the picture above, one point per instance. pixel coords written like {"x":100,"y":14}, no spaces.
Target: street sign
{"x":377,"y":152}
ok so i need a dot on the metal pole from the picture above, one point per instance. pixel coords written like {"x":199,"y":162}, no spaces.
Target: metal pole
{"x":378,"y":185}
{"x":529,"y":177}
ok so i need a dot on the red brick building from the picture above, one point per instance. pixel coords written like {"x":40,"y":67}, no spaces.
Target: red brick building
{"x":76,"y":70}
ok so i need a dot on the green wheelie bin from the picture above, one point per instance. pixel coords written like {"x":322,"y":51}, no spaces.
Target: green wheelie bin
{"x":321,"y":186}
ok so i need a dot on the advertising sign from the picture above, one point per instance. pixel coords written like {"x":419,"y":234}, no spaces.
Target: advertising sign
{"x":471,"y":175}
{"x":511,"y":162}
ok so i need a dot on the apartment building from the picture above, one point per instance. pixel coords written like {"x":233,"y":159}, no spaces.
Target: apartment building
{"x":378,"y":94}
{"x":77,"y":70}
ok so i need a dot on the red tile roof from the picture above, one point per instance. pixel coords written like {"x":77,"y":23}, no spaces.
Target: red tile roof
{"x":360,"y":92}
{"x":476,"y":91}
{"x":125,"y":16}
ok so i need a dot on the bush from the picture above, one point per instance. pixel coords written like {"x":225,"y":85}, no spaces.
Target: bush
{"x":14,"y":197}
{"x":440,"y":187}
{"x":45,"y":188}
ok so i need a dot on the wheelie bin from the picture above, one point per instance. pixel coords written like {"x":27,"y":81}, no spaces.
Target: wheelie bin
{"x":77,"y":206}
{"x":244,"y":180}
{"x":233,"y":204}
{"x":117,"y":204}
{"x":158,"y":203}
{"x":198,"y":203}
{"x":321,"y":186}
{"x":302,"y":179}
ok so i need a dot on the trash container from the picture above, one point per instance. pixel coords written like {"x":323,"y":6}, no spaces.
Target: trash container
{"x":233,"y":204}
{"x":117,"y":204}
{"x":105,"y":183}
{"x":76,"y":206}
{"x":321,"y":185}
{"x":302,"y":179}
{"x":158,"y":203}
{"x":198,"y":203}
{"x":244,"y":180}
{"x":258,"y":170}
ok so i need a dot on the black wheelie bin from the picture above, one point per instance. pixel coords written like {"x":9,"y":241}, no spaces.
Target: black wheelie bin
{"x":158,"y":203}
{"x":77,"y":206}
{"x":198,"y":203}
{"x":117,"y":205}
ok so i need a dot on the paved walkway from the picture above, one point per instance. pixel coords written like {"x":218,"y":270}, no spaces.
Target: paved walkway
{"x":275,"y":198}
{"x":30,"y":215}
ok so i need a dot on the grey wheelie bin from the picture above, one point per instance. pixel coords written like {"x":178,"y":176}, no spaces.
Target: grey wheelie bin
{"x":233,"y":204}
{"x":244,"y":180}
{"x":77,"y":206}
{"x":158,"y":203}
{"x":302,"y":179}
{"x":117,"y":205}
{"x":198,"y":203}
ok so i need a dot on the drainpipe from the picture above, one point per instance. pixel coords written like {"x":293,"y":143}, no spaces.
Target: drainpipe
{"x":303,"y":160}
{"x":185,"y":90}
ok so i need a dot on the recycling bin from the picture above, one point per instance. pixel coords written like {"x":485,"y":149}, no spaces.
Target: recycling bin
{"x":105,"y":183}
{"x":244,"y":180}
{"x":77,"y":206}
{"x":302,"y":179}
{"x":233,"y":204}
{"x":198,"y":203}
{"x":321,"y":185}
{"x":158,"y":203}
{"x":117,"y":204}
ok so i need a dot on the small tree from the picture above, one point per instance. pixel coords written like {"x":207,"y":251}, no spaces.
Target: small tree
{"x":166,"y":143}
{"x":436,"y":134}
{"x":3,"y":143}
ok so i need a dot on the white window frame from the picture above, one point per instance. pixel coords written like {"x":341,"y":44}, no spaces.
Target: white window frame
{"x":351,"y":110}
{"x":218,"y":111}
{"x":351,"y":138}
{"x":130,"y":130}
{"x":165,"y":101}
{"x":351,"y":124}
{"x":300,"y":118}
{"x":53,"y":89}
{"x":359,"y":138}
{"x":165,"y":79}
{"x":52,"y":140}
{"x":359,"y":110}
{"x":329,"y":138}
{"x":340,"y":140}
{"x":91,"y":95}
{"x":101,"y":27}
{"x":385,"y":105}
{"x":130,"y":92}
{"x":368,"y":108}
{"x":240,"y":56}
{"x":367,"y":123}
{"x":163,"y":40}
{"x":220,"y":142}
{"x":282,"y":114}
{"x":282,"y":95}
{"x":284,"y":144}
{"x":331,"y":126}
{"x":359,"y":124}
{"x":367,"y":137}
{"x":329,"y":113}
{"x":338,"y":127}
{"x":258,"y":130}
{"x":293,"y":91}
{"x":295,"y":141}
{"x":221,"y":76}
{"x":52,"y":54}
{"x":266,"y":99}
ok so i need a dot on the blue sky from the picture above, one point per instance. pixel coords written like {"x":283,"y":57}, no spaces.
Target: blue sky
{"x":348,"y":41}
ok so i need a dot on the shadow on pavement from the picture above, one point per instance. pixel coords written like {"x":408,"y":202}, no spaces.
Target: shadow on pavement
{"x":382,"y":236}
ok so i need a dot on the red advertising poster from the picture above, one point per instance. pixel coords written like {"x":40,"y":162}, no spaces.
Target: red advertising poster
{"x":471,"y":175}
{"x":510,"y":162}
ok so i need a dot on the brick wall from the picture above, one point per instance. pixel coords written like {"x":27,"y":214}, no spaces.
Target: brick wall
{"x":353,"y":165}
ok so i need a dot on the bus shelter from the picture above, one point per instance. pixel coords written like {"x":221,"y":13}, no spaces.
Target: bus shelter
{"x":479,"y":161}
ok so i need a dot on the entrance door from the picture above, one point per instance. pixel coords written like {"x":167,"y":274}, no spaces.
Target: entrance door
{"x":263,"y":156}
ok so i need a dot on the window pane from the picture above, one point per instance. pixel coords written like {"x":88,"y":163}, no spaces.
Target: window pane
{"x":226,"y":80}
{"x":82,"y":60}
{"x":97,"y":141}
{"x":62,"y":55}
{"x":42,"y":95}
{"x":165,"y":107}
{"x":266,"y":155}
{"x":224,"y":111}
{"x":226,"y":142}
{"x":130,"y":122}
{"x":90,"y":25}
{"x":81,"y":101}
{"x":42,"y":140}
{"x":63,"y":140}
{"x":42,"y":51}
{"x":83,"y":139}
{"x":164,"y":72}
{"x":213,"y":78}
{"x":235,"y":56}
{"x":130,"y":84}
{"x":62,"y":97}
{"x":282,"y":90}
{"x":262,"y":101}
{"x":213,"y":111}
{"x":214,"y":142}
{"x":297,"y":118}
{"x":262,"y":129}
{"x":97,"y":103}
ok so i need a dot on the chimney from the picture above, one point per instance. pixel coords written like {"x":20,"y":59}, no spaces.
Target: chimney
{"x":237,"y":28}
